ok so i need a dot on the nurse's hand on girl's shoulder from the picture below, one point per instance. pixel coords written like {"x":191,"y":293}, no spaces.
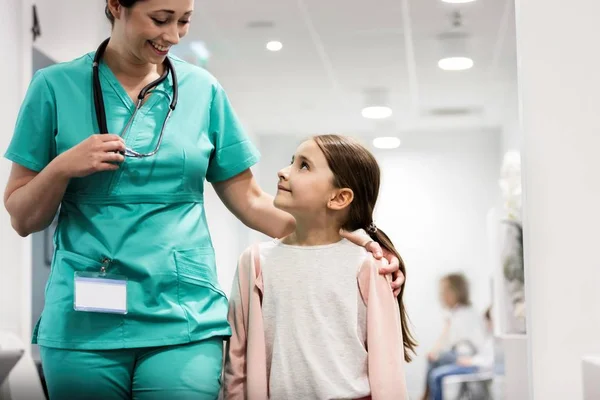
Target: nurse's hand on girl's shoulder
{"x":391,"y":263}
{"x":100,"y":152}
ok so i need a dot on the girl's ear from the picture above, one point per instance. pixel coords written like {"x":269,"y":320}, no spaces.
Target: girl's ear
{"x":340,"y":199}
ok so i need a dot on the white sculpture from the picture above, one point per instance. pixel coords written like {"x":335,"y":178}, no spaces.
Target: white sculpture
{"x":512,"y":252}
{"x":510,"y":184}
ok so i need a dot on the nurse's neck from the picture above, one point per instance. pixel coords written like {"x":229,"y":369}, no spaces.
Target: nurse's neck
{"x":126,"y":65}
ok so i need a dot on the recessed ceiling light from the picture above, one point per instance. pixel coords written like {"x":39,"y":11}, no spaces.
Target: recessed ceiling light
{"x":458,"y":1}
{"x":388,"y":142}
{"x":377,"y":112}
{"x":455,"y":63}
{"x":274,"y":45}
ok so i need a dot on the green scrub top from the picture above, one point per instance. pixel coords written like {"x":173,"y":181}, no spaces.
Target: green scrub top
{"x":147,"y":219}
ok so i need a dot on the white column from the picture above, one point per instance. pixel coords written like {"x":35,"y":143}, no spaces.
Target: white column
{"x":15,"y":252}
{"x":557,"y":44}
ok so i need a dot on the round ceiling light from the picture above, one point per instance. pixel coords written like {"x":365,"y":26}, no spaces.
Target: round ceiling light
{"x":377,"y":112}
{"x":455,"y":63}
{"x":274,"y":46}
{"x":387,"y":143}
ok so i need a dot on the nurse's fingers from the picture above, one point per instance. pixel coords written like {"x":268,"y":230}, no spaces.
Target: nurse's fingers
{"x":113,"y":145}
{"x":374,"y":248}
{"x":107,"y":167}
{"x":113,"y":157}
{"x":110,"y":137}
{"x":398,"y":282}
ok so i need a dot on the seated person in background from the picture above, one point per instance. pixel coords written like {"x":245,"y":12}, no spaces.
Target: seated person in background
{"x":484,"y":359}
{"x":463,"y":335}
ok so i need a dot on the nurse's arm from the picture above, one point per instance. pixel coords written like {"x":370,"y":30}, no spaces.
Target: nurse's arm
{"x":254,"y":208}
{"x":32,"y":198}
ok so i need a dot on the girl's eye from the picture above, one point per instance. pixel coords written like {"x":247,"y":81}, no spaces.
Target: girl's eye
{"x":303,"y":165}
{"x":159,"y":21}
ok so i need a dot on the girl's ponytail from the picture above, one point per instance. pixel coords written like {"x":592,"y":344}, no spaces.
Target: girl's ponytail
{"x":384,"y":241}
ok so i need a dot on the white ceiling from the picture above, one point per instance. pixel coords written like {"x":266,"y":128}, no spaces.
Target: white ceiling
{"x":335,"y":49}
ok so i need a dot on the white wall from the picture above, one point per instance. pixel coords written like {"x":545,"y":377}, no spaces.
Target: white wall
{"x":560,"y":99}
{"x":229,"y":237}
{"x":511,"y":130}
{"x":61,"y":41}
{"x":15,"y":268}
{"x":436,"y":192}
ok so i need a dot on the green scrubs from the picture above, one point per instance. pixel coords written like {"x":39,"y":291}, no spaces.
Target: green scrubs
{"x":181,"y":372}
{"x":147,"y":219}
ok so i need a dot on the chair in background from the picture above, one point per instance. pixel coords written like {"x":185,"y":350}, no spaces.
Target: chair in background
{"x":21,"y":380}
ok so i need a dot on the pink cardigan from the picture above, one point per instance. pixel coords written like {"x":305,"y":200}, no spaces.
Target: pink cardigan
{"x":245,"y":372}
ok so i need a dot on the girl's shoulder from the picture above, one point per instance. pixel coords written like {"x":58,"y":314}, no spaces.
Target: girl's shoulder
{"x":368,"y":274}
{"x":256,"y":253}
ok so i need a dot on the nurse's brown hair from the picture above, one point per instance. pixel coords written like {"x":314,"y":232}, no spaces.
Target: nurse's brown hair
{"x":124,"y":3}
{"x":355,"y":168}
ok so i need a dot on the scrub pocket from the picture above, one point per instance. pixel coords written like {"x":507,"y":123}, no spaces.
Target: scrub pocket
{"x":199,"y":294}
{"x":60,"y":323}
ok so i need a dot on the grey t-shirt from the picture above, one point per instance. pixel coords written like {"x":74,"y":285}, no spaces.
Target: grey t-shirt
{"x":315,"y":321}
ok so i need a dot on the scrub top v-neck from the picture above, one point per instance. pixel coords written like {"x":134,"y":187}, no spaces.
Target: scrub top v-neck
{"x":146,"y":221}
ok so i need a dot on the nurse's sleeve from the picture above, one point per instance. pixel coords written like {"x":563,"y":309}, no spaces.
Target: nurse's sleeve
{"x":33,"y":145}
{"x":233,"y":152}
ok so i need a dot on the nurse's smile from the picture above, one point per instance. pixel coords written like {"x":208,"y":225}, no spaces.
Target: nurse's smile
{"x":158,"y":49}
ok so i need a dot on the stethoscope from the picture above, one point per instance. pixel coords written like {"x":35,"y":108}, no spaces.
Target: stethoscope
{"x":99,"y":100}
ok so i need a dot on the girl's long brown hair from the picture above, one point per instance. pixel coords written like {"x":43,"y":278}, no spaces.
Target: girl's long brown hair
{"x":354,"y":167}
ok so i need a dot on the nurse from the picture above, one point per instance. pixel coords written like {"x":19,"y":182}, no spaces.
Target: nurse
{"x":123,"y":139}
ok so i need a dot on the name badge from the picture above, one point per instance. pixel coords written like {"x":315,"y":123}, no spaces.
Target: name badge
{"x":100,"y":292}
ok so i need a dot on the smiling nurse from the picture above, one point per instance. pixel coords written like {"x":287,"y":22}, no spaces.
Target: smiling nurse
{"x":133,"y":306}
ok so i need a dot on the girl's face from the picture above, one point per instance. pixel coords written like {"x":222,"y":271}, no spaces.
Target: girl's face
{"x":447,"y":295}
{"x":305,"y":186}
{"x":151,"y":27}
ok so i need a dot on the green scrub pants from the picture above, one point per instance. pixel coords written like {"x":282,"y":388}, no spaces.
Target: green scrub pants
{"x":189,"y":371}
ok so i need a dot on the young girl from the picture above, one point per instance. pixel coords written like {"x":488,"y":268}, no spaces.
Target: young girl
{"x":311,"y":316}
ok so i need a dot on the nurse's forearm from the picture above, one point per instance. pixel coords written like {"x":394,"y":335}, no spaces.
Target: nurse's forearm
{"x":33,"y":199}
{"x":269,"y":220}
{"x":253,"y":207}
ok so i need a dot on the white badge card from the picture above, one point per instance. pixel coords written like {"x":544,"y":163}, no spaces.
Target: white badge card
{"x":100,"y":292}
